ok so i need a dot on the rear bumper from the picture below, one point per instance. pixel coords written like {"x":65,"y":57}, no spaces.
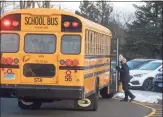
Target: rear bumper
{"x":41,"y":92}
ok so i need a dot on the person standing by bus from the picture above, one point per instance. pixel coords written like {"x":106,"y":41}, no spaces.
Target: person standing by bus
{"x":124,"y":78}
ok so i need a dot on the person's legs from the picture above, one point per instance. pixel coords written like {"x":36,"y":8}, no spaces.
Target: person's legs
{"x":125,"y":91}
{"x":131,"y":95}
{"x":128,"y":92}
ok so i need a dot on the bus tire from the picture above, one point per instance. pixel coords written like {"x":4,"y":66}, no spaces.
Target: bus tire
{"x":28,"y":105}
{"x":110,"y":95}
{"x":104,"y":93}
{"x":92,"y":101}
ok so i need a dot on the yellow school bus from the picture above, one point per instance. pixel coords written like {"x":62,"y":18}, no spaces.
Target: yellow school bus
{"x":49,"y":55}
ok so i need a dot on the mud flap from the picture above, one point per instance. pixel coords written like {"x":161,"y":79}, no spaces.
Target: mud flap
{"x":90,"y":103}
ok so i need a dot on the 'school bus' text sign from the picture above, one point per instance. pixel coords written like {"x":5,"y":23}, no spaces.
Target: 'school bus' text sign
{"x":41,"y":23}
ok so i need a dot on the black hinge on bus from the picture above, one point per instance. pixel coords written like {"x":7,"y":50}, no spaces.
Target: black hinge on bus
{"x":70,"y":24}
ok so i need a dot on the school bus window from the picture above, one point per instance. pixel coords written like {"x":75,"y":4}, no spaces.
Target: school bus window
{"x":39,"y":70}
{"x":40,"y":43}
{"x":105,"y":45}
{"x":93,"y":43}
{"x":71,"y":44}
{"x":98,"y":41}
{"x":96,"y":44}
{"x":100,"y":44}
{"x":89,"y":42}
{"x":86,"y":42}
{"x":9,"y":43}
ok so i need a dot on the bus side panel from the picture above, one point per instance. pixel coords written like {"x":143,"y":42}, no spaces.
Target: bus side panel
{"x":102,"y":72}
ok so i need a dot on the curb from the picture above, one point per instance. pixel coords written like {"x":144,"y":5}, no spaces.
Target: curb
{"x":153,"y":111}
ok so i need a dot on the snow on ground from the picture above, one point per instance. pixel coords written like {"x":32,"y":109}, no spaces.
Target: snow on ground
{"x":143,"y":96}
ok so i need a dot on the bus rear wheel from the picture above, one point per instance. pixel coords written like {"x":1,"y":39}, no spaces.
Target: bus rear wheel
{"x":28,"y":105}
{"x":104,"y":93}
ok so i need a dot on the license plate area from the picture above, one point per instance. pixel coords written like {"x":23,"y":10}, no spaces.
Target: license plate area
{"x":9,"y":76}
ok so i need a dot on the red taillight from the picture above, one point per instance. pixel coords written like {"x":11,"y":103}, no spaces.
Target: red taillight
{"x":9,"y":71}
{"x":6,"y":23}
{"x":66,"y":24}
{"x":9,"y":60}
{"x":75,"y":62}
{"x":10,"y":23}
{"x":68,"y":62}
{"x":3,"y":60}
{"x":15,"y":23}
{"x":16,"y":61}
{"x":74,"y":24}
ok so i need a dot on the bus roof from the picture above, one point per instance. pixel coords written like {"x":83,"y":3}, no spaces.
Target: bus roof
{"x":47,"y":11}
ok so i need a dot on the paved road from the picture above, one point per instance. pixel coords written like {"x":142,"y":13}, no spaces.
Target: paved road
{"x":107,"y":108}
{"x":158,"y":112}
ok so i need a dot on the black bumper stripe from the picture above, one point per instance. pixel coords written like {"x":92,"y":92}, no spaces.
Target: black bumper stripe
{"x":97,"y":56}
{"x":89,"y":75}
{"x":42,"y":91}
{"x":71,"y":67}
{"x":95,"y":66}
{"x":82,"y":67}
{"x":9,"y":66}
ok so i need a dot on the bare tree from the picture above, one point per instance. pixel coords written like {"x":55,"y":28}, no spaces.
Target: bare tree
{"x":118,"y":25}
{"x":26,"y":4}
{"x":3,"y":4}
{"x":44,"y":4}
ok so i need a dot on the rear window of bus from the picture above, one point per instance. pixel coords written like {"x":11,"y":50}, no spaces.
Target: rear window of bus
{"x":71,"y":44}
{"x":40,"y":43}
{"x":9,"y":43}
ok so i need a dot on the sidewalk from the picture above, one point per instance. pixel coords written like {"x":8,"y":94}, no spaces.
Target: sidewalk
{"x":144,"y":96}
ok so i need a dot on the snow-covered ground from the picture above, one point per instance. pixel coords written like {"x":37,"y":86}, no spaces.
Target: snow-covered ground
{"x":143,"y":96}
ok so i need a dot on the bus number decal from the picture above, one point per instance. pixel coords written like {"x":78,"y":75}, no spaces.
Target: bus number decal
{"x":37,"y":79}
{"x":68,"y":78}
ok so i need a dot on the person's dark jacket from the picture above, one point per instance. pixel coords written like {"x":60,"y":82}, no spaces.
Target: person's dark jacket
{"x":124,"y":73}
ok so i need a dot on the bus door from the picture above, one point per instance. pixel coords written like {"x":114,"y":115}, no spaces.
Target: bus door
{"x":39,"y":58}
{"x":9,"y":56}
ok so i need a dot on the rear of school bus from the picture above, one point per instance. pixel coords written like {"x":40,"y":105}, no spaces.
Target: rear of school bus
{"x":42,"y":56}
